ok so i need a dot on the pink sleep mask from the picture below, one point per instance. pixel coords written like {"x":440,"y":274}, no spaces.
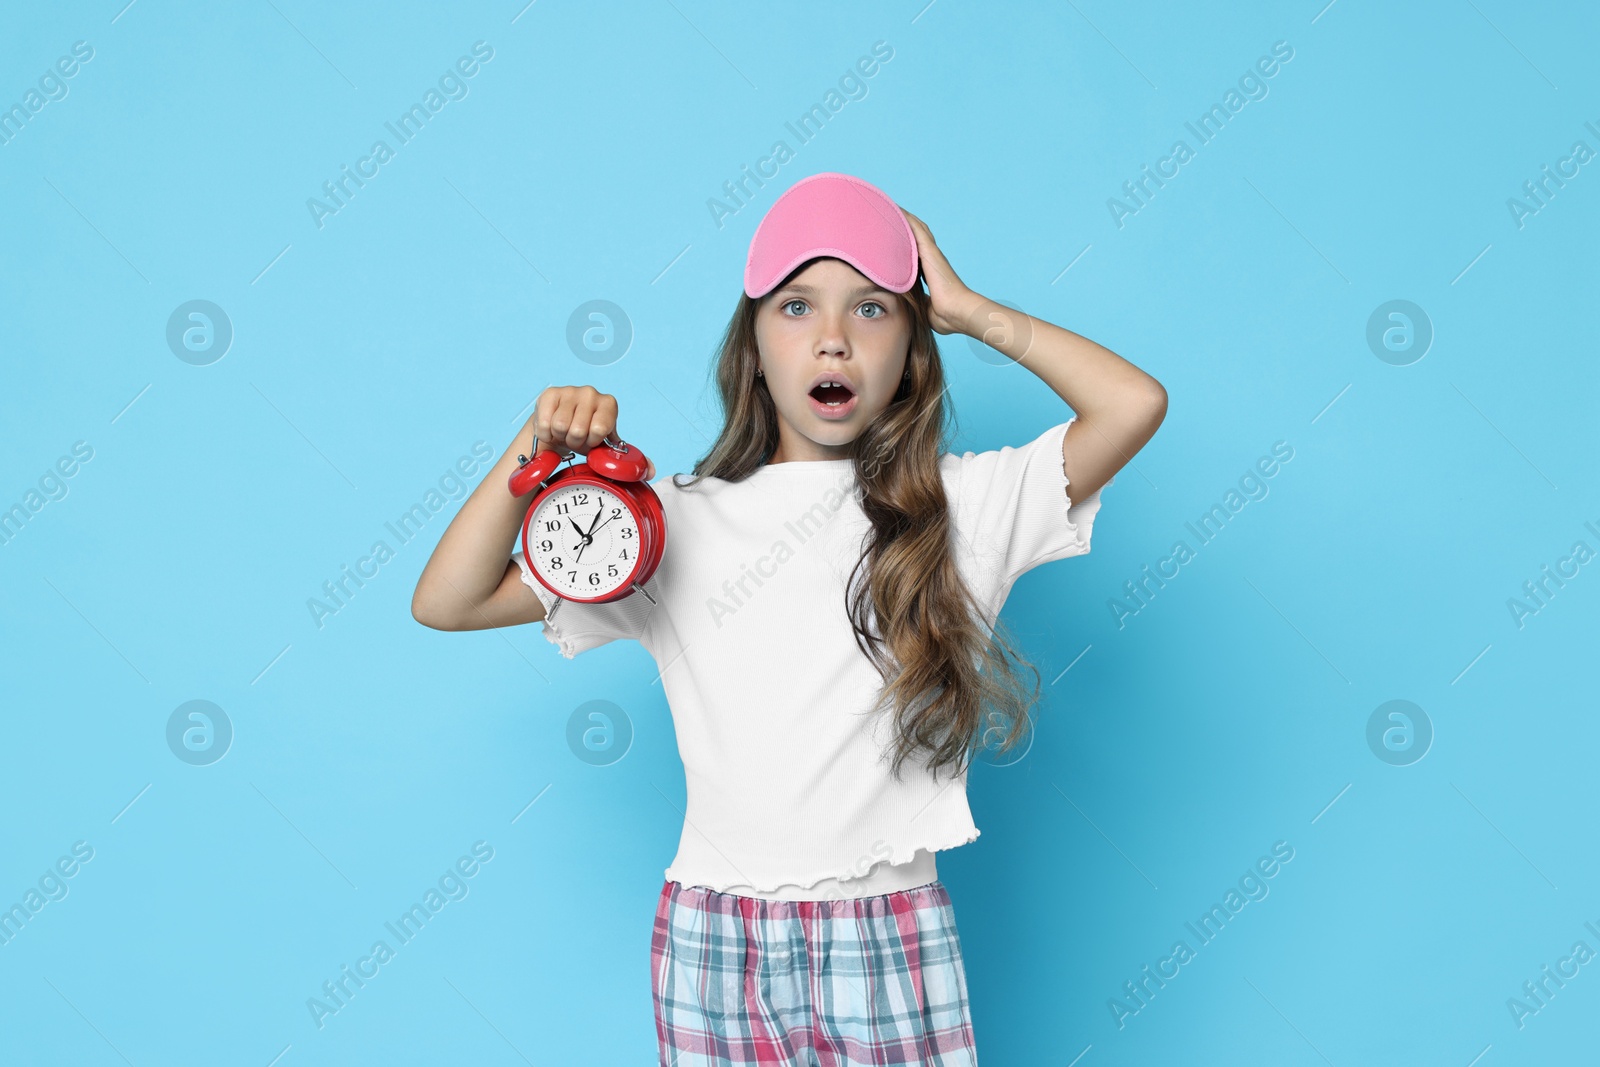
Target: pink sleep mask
{"x":835,"y":215}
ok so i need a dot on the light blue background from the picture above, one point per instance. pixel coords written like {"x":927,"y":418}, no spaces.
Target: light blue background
{"x":370,"y":354}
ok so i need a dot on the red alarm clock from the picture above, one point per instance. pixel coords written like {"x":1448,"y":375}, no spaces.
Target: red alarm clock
{"x":595,"y":531}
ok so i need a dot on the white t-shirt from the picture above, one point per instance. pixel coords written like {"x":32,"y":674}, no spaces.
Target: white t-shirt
{"x":789,"y":790}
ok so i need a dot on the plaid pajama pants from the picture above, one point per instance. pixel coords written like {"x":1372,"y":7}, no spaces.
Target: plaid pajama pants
{"x":747,"y":982}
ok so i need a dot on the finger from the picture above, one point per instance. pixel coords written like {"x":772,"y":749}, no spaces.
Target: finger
{"x":578,"y":435}
{"x":561,"y":420}
{"x":544,"y":410}
{"x":605,"y":419}
{"x":600,"y":410}
{"x":550,"y":410}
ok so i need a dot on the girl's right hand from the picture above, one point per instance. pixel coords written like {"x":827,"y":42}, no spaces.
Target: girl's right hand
{"x":575,"y":418}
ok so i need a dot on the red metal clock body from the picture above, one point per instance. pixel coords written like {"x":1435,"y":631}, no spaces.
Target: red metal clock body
{"x":594,"y":531}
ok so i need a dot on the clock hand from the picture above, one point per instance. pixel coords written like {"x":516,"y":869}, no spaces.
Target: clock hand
{"x":583,"y":537}
{"x":588,"y":538}
{"x":591,"y":536}
{"x":596,"y":529}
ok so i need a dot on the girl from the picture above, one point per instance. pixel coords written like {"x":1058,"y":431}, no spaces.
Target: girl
{"x":825,"y":622}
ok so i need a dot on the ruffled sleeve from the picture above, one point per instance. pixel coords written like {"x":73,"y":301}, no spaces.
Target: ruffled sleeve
{"x":578,"y":627}
{"x":1013,"y":506}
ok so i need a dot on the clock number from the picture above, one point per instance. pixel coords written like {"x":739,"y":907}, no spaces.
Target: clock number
{"x":594,"y":577}
{"x":555,"y":561}
{"x":627,"y":533}
{"x":546,"y":545}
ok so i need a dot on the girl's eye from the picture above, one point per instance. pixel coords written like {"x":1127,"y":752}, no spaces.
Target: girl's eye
{"x":878,"y":312}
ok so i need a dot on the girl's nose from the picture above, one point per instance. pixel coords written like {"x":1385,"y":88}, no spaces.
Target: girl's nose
{"x":832,"y":340}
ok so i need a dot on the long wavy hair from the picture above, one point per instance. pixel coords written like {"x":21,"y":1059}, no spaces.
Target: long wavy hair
{"x":952,"y":680}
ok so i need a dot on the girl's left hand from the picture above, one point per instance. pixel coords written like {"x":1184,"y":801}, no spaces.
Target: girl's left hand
{"x":952,"y":302}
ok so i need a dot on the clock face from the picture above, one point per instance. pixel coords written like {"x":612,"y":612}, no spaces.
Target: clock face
{"x":584,"y":541}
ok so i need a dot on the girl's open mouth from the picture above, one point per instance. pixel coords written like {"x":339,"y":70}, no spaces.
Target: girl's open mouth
{"x":832,"y":400}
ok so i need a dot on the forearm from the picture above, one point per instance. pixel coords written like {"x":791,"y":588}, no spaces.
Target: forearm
{"x":1095,"y":382}
{"x":469,"y":562}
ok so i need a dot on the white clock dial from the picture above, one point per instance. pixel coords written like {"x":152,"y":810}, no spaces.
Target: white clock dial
{"x":584,"y":541}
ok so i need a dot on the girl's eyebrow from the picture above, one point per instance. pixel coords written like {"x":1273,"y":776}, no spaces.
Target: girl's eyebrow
{"x":861,"y":290}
